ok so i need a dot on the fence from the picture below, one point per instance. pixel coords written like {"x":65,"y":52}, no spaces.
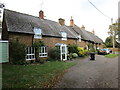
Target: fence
{"x":115,"y":49}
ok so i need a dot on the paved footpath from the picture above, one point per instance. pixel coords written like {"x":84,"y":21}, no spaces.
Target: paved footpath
{"x":101,"y":73}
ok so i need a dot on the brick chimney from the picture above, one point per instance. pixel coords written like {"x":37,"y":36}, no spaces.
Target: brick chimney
{"x":83,"y":27}
{"x":93,"y":31}
{"x":61,"y":21}
{"x":71,"y":22}
{"x":41,"y":14}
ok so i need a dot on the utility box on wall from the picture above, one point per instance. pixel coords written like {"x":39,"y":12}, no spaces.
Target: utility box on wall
{"x":4,"y":51}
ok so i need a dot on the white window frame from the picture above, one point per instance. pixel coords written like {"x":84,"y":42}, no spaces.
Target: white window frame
{"x":1,"y":14}
{"x":38,"y":33}
{"x":43,"y":51}
{"x":79,"y":38}
{"x":30,"y":53}
{"x":87,"y":47}
{"x":64,"y":35}
{"x":63,"y":51}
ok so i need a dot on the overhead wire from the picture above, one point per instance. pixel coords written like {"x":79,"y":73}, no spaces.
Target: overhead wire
{"x":98,"y":9}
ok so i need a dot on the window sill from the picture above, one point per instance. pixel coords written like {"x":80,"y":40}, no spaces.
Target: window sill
{"x":43,"y":56}
{"x":30,"y":59}
{"x":37,"y":38}
{"x":64,"y":39}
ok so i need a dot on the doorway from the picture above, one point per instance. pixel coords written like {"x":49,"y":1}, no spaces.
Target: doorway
{"x":63,"y":51}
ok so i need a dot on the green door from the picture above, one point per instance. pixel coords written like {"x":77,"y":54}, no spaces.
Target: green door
{"x":4,"y":53}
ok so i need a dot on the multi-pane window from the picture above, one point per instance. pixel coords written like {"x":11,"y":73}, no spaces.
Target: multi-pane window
{"x":38,"y":33}
{"x":43,"y":51}
{"x":64,"y":35}
{"x":30,"y":53}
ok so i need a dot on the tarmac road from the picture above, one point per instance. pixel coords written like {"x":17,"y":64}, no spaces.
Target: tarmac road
{"x":100,"y":73}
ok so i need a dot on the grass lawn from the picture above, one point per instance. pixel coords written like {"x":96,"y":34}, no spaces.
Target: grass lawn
{"x":111,"y":55}
{"x":34,"y":75}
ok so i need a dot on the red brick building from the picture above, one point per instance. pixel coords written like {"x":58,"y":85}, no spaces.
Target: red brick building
{"x":27,"y":29}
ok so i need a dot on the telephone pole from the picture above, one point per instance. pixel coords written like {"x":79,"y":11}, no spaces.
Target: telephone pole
{"x":113,"y":36}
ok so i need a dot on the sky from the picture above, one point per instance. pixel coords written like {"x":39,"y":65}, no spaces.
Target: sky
{"x":82,"y":11}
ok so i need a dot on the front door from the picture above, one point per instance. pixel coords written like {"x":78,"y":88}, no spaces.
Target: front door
{"x":63,"y":52}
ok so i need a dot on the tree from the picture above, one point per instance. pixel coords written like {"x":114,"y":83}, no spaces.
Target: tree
{"x":114,"y":30}
{"x":114,"y":34}
{"x":109,"y":44}
{"x":108,"y":41}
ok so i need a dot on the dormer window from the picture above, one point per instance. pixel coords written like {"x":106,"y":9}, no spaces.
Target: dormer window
{"x":38,"y":33}
{"x":79,"y":38}
{"x":64,"y":35}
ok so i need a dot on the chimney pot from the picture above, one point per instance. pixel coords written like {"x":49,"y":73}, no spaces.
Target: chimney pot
{"x":41,"y":14}
{"x":61,"y":21}
{"x":71,"y":22}
{"x":93,"y":31}
{"x":83,"y":27}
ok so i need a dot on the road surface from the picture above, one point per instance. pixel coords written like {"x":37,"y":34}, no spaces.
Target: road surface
{"x":100,"y":73}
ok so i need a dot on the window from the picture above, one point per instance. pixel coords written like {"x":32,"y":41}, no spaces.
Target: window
{"x":64,"y":35}
{"x":43,"y":51}
{"x":30,"y":53}
{"x":38,"y":33}
{"x":79,"y":38}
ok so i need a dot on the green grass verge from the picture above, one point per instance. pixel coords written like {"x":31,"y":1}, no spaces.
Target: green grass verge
{"x":111,"y":55}
{"x":32,"y":76}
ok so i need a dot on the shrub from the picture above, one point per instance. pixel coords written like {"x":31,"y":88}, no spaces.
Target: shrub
{"x":49,"y":59}
{"x":38,"y":44}
{"x":17,"y":53}
{"x":86,"y":52}
{"x":72,"y":48}
{"x":74,"y":55}
{"x":80,"y":51}
{"x":69,"y":56}
{"x":55,"y":53}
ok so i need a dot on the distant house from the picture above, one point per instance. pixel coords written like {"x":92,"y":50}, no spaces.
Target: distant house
{"x":27,"y":29}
